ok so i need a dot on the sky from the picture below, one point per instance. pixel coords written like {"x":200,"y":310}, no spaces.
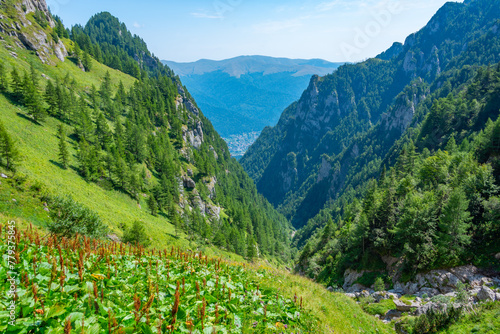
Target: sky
{"x":189,"y":30}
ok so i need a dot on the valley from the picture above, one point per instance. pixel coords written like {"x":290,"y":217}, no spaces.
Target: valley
{"x":253,"y":194}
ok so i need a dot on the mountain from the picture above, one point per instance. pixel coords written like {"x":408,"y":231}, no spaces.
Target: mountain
{"x":108,"y":131}
{"x":243,"y":95}
{"x":351,"y":126}
{"x":115,"y":186}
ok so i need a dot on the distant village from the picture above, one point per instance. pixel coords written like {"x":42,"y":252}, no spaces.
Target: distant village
{"x":239,"y":144}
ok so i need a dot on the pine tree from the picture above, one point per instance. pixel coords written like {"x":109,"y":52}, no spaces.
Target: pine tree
{"x":251,"y":249}
{"x":87,"y":62}
{"x":31,"y":96}
{"x":51,"y":98}
{"x":9,"y":155}
{"x":454,"y":224}
{"x":4,"y":85}
{"x":63,"y":148}
{"x":17,"y":84}
{"x":153,"y":205}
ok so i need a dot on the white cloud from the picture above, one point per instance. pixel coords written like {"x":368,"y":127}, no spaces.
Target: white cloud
{"x":138,"y":25}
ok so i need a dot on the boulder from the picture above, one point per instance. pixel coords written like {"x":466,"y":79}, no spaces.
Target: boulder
{"x":4,"y":176}
{"x":486,"y":294}
{"x":351,"y":295}
{"x":403,"y":307}
{"x":190,"y":172}
{"x":380,"y":295}
{"x":392,"y":314}
{"x":364,"y":293}
{"x":351,"y":276}
{"x":497,"y":296}
{"x":355,"y":288}
{"x":436,"y":307}
{"x":189,"y":183}
{"x":430,"y":292}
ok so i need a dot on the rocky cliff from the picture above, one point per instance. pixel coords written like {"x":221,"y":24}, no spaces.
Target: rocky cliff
{"x":30,"y":24}
{"x":349,"y":120}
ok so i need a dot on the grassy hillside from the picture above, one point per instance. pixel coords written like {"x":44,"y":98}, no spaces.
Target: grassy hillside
{"x":38,"y":146}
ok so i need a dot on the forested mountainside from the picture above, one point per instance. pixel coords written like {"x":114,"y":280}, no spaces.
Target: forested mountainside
{"x":139,"y":139}
{"x":330,"y":148}
{"x":243,"y":95}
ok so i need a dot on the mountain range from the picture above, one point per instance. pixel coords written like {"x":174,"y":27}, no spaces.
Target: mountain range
{"x":320,"y":164}
{"x":243,"y":95}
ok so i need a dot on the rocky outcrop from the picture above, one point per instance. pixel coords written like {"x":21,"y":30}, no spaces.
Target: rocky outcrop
{"x":193,"y":137}
{"x":324,"y":170}
{"x":189,"y":183}
{"x":37,"y":40}
{"x":404,"y":307}
{"x":486,"y":294}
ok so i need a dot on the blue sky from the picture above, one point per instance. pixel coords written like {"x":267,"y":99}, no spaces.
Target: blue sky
{"x":188,"y":30}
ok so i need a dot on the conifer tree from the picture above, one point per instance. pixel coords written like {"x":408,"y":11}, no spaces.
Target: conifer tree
{"x":87,"y":62}
{"x":9,"y":155}
{"x":17,"y":84}
{"x":251,"y":250}
{"x":31,"y":97}
{"x":63,"y":148}
{"x":51,"y":98}
{"x":153,"y":205}
{"x":4,"y":85}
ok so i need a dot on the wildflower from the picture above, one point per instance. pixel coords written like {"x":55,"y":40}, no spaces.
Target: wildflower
{"x":279,"y":325}
{"x":39,"y":311}
{"x":98,"y":276}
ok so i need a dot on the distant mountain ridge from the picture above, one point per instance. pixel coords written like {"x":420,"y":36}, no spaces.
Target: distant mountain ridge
{"x":245,"y":94}
{"x":238,"y":66}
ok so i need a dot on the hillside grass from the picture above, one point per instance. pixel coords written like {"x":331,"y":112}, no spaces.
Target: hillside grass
{"x":38,"y":145}
{"x":336,"y":312}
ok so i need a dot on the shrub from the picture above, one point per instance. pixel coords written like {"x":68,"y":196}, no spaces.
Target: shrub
{"x":380,"y":308}
{"x":379,"y":284}
{"x":70,"y":218}
{"x":136,"y":234}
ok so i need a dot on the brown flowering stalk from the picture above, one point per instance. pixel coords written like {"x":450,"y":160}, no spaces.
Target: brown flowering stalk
{"x":175,"y":307}
{"x":67,"y":326}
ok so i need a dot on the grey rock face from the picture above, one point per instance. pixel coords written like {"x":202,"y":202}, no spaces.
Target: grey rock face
{"x":486,"y":294}
{"x":189,"y":183}
{"x":437,"y":307}
{"x":402,"y":307}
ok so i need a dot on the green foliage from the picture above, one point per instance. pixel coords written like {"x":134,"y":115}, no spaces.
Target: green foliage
{"x":63,"y":148}
{"x":9,"y":154}
{"x":70,"y":218}
{"x":134,"y":291}
{"x":136,"y":234}
{"x":380,"y":308}
{"x":379,"y":284}
{"x":41,"y":19}
{"x":434,"y":207}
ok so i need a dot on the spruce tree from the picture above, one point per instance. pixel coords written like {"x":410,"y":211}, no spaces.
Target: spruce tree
{"x":4,"y":85}
{"x":153,"y":205}
{"x":9,"y":155}
{"x":87,"y":62}
{"x":17,"y":84}
{"x":63,"y":148}
{"x":31,"y":96}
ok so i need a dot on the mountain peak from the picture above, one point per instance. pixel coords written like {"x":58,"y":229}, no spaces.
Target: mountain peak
{"x":238,"y":66}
